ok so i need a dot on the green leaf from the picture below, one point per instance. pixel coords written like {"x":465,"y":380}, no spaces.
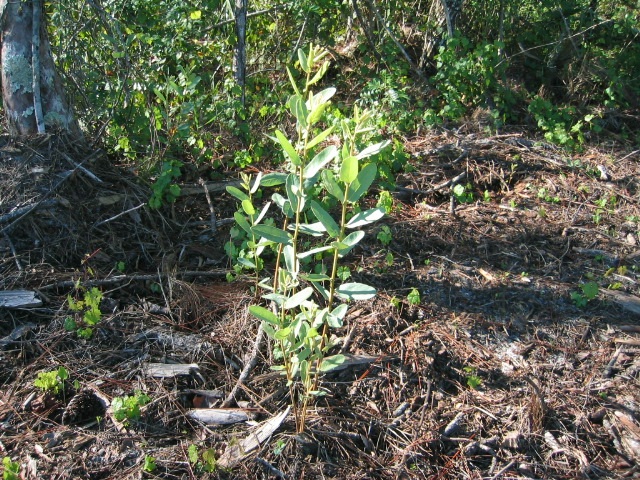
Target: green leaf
{"x":256,"y":183}
{"x":196,"y":15}
{"x":290,"y":260}
{"x":288,"y":148}
{"x":336,"y":317}
{"x":298,"y":107}
{"x":349,"y":169}
{"x":237,"y":193}
{"x":319,"y":138}
{"x":363,"y":181}
{"x":264,"y":314}
{"x":319,"y":74}
{"x":284,"y":204}
{"x":332,"y":362}
{"x":350,"y":241}
{"x":319,"y":161}
{"x":332,"y":186}
{"x":315,"y":229}
{"x":297,"y":299}
{"x":271,"y":233}
{"x":282,"y":334}
{"x":273,"y":179}
{"x":355,"y":291}
{"x":304,"y":61}
{"x":372,"y":150}
{"x":295,"y":194}
{"x":242,"y":222}
{"x":333,"y":229}
{"x":316,"y":277}
{"x":293,"y":81}
{"x":366,"y":217}
{"x":248,"y":208}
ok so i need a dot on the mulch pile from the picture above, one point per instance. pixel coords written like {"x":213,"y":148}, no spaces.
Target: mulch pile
{"x":509,"y":367}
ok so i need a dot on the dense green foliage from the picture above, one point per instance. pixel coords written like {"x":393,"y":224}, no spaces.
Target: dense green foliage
{"x":153,"y":79}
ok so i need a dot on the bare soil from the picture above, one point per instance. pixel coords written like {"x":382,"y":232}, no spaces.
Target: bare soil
{"x":506,"y":369}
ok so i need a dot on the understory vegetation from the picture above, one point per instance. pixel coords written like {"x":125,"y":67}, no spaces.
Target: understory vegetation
{"x":159,"y":89}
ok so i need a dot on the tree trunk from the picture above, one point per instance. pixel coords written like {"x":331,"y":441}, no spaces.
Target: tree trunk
{"x":240,"y":59}
{"x":32,"y":92}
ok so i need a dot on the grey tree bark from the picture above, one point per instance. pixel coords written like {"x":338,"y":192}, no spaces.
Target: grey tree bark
{"x":32,"y":91}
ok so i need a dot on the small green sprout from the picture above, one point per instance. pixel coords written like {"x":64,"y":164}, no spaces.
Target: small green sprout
{"x":11,"y":469}
{"x":384,"y":235}
{"x":52,"y":381}
{"x":128,"y":407}
{"x":413,"y":297}
{"x":149,"y":464}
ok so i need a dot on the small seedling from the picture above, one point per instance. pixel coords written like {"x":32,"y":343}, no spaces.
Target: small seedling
{"x":11,"y":469}
{"x":280,"y":446}
{"x":344,"y":273}
{"x":589,"y":291}
{"x":149,"y":464}
{"x":413,"y":297}
{"x":51,"y":382}
{"x":384,"y":235}
{"x":87,"y":311}
{"x":395,"y":302}
{"x":388,"y":259}
{"x":473,"y":380}
{"x":462,"y":193}
{"x":128,"y":407}
{"x":385,"y":200}
{"x":208,"y":462}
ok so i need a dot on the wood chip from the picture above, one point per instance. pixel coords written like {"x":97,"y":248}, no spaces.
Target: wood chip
{"x":234,"y":454}
{"x":166,"y":370}
{"x":19,"y":299}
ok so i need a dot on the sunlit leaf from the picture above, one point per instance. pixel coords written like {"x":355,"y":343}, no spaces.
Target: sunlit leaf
{"x":319,"y":138}
{"x":319,"y":161}
{"x":237,"y":193}
{"x":366,"y":217}
{"x":196,"y":15}
{"x":363,"y":181}
{"x":355,"y":291}
{"x":248,"y":208}
{"x":373,"y":149}
{"x":297,"y":299}
{"x":287,"y":147}
{"x":304,"y":61}
{"x":332,"y":186}
{"x":333,"y":229}
{"x":264,"y":314}
{"x":271,"y":233}
{"x":273,"y":179}
{"x":315,"y":229}
{"x":350,"y":241}
{"x":313,"y":251}
{"x":349,"y":169}
{"x":242,"y":221}
{"x":332,"y":362}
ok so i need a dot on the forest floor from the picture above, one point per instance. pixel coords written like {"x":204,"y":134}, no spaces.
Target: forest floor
{"x":520,"y":361}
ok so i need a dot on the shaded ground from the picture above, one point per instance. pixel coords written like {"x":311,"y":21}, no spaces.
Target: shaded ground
{"x":497,"y":373}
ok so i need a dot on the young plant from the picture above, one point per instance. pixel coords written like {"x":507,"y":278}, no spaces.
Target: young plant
{"x":205,"y":461}
{"x":11,"y":469}
{"x":305,"y":305}
{"x":128,"y":407}
{"x":149,"y":464}
{"x":87,"y":313}
{"x":248,"y":255}
{"x":51,"y":382}
{"x":413,"y":297}
{"x":588,"y":291}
